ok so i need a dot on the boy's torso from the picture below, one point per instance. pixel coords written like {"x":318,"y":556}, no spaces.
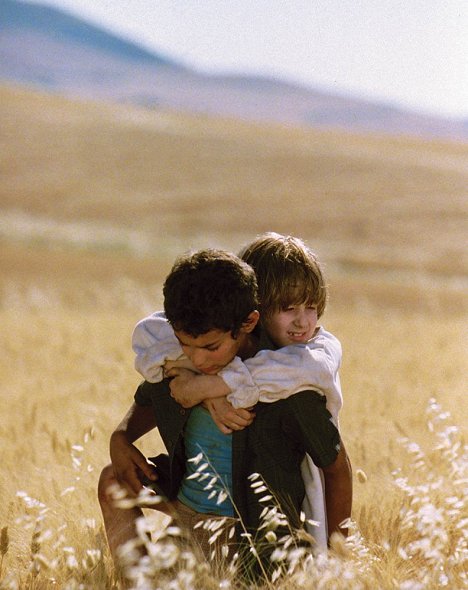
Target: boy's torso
{"x":271,"y":446}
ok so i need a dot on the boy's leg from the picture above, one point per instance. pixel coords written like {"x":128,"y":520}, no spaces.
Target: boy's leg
{"x":199,"y":529}
{"x":120,"y":523}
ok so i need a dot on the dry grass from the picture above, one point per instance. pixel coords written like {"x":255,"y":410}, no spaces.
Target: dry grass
{"x":68,"y":379}
{"x":95,"y":203}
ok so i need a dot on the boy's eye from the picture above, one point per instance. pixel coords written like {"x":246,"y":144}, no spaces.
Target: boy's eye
{"x":212,"y":348}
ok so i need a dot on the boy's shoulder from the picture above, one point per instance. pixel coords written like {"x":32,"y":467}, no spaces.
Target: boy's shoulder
{"x":155,"y":318}
{"x":152,"y":329}
{"x":325,"y":338}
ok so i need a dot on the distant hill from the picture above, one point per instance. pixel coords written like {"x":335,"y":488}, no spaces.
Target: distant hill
{"x":53,"y":50}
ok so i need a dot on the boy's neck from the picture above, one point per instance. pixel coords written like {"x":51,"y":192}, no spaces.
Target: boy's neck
{"x":249,"y":346}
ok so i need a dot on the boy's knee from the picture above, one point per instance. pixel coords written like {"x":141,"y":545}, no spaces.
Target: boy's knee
{"x":106,"y":482}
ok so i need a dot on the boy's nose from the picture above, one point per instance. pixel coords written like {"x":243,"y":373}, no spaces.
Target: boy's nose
{"x":300,"y":318}
{"x":198,"y":357}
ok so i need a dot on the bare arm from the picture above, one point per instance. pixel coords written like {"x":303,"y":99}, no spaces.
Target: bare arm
{"x":128,"y":462}
{"x":338,"y":492}
{"x":190,"y":389}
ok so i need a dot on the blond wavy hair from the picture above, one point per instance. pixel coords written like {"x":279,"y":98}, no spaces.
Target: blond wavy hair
{"x":288,"y":273}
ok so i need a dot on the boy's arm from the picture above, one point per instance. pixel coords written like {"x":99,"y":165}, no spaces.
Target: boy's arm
{"x":277,"y":374}
{"x":190,"y":389}
{"x":309,"y":424}
{"x":338,"y":492}
{"x":128,"y":462}
{"x":154,"y":343}
{"x":269,"y":376}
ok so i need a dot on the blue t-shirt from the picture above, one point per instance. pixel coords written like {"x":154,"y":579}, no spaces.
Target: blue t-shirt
{"x":202,"y":493}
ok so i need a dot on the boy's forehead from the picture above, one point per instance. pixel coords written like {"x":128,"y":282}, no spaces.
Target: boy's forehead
{"x":297,"y":292}
{"x":203,"y":340}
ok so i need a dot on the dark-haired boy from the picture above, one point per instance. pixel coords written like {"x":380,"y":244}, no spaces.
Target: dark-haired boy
{"x":210,"y":302}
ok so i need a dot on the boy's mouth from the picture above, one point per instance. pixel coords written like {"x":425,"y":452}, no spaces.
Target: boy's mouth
{"x":297,"y":335}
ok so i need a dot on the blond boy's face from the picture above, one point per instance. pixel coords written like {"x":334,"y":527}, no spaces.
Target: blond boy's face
{"x":294,"y":325}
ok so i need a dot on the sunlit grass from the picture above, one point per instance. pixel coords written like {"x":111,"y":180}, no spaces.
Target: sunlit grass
{"x":96,"y":202}
{"x":68,"y":378}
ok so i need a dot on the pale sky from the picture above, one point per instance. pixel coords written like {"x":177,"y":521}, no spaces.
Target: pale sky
{"x":412,"y":53}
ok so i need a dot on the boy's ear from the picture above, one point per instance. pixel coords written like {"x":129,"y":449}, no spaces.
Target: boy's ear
{"x":251,"y":322}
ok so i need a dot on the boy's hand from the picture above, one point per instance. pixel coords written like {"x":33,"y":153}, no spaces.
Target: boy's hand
{"x":183,"y":363}
{"x":129,"y":464}
{"x":180,"y":386}
{"x":226,"y":417}
{"x":189,"y":389}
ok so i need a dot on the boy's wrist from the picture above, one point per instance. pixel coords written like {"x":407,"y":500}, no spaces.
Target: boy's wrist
{"x":212,"y":386}
{"x":120,"y":437}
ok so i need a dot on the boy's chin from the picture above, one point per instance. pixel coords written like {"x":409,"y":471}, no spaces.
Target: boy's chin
{"x":210,"y":371}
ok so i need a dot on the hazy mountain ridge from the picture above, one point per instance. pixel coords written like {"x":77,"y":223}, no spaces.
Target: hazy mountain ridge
{"x":54,"y":24}
{"x":54,"y":50}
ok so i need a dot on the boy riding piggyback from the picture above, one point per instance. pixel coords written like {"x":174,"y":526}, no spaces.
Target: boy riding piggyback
{"x":293,"y":297}
{"x":301,"y":355}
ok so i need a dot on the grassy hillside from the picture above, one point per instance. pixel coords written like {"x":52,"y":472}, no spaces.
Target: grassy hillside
{"x":136,"y":184}
{"x":97,"y":200}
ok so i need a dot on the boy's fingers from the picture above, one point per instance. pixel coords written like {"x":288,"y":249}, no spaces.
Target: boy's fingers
{"x":131,"y":482}
{"x":171,"y":372}
{"x":147,"y":469}
{"x":241,"y":418}
{"x":223,"y":427}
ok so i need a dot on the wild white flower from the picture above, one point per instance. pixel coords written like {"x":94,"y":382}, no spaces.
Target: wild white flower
{"x":72,"y":562}
{"x":89,"y":523}
{"x":126,"y":503}
{"x":278,"y":554}
{"x":266,"y":498}
{"x":253,"y":476}
{"x":214,"y":536}
{"x":256,"y":484}
{"x":221,"y":497}
{"x":173,"y":531}
{"x":196,"y":459}
{"x":93,"y":557}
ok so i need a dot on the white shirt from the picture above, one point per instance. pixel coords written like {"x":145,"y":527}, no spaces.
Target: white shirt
{"x":269,"y":376}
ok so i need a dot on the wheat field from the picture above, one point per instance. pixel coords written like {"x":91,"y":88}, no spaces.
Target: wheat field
{"x":95,"y":203}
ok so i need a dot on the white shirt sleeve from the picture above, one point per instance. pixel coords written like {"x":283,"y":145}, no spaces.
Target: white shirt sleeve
{"x":272,"y":375}
{"x":154,"y":343}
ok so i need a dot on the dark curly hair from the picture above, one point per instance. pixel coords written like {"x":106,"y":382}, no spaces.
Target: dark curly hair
{"x":209,"y":290}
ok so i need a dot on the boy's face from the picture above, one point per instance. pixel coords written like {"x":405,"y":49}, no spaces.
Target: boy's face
{"x":294,"y":325}
{"x":212,"y":351}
